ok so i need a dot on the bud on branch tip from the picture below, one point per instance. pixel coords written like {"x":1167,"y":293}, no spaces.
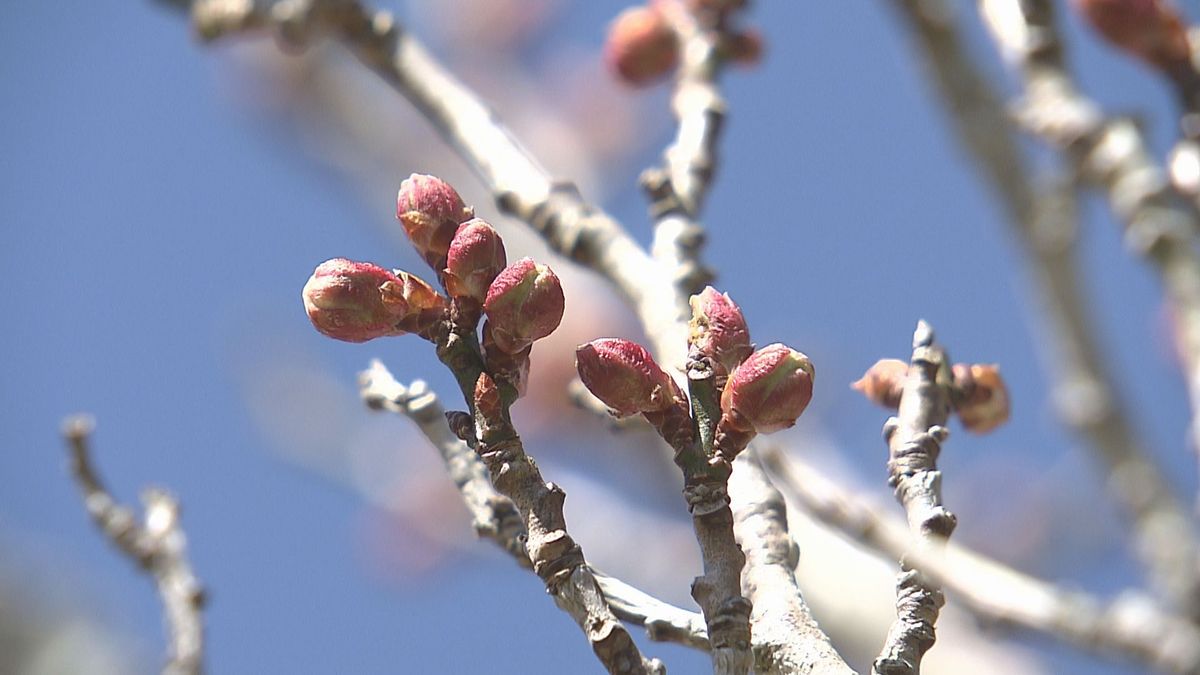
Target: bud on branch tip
{"x":641,"y":46}
{"x":770,"y":389}
{"x":623,"y":375}
{"x":430,"y":211}
{"x":524,"y":303}
{"x":476,"y":256}
{"x":354,"y":301}
{"x":718,"y":329}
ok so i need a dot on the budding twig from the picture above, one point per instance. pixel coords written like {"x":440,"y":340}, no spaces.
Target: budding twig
{"x":914,"y":439}
{"x":1132,"y":626}
{"x":157,"y":545}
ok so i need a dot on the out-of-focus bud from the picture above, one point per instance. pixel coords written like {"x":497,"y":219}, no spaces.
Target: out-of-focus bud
{"x":744,"y":47}
{"x":718,"y":329}
{"x":883,"y":382}
{"x":355,"y":301}
{"x":769,"y":390}
{"x":625,"y":377}
{"x":475,"y":257}
{"x":1151,"y":30}
{"x":641,"y":46}
{"x":985,"y":404}
{"x":430,"y":211}
{"x":523,"y":304}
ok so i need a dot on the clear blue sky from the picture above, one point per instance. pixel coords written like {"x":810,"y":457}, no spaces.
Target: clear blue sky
{"x":156,"y":237}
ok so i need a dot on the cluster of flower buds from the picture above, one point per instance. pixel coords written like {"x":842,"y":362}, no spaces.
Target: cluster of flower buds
{"x":979,"y":395}
{"x":766,"y":390}
{"x":1151,"y":30}
{"x":355,"y":301}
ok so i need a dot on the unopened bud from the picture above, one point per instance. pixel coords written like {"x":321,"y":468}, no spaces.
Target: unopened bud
{"x":770,"y":389}
{"x":354,"y":301}
{"x":718,"y":329}
{"x":641,"y":46}
{"x":883,"y":382}
{"x":1151,"y":30}
{"x":475,"y":257}
{"x":623,"y":375}
{"x":430,"y":211}
{"x":523,"y":304}
{"x":744,"y":47}
{"x":985,"y":403}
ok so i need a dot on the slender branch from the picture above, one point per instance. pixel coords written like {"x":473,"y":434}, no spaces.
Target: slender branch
{"x":1045,"y":224}
{"x":1133,"y":626}
{"x":786,"y":637}
{"x":914,"y":439}
{"x":157,"y":545}
{"x":1111,"y":153}
{"x":492,"y":512}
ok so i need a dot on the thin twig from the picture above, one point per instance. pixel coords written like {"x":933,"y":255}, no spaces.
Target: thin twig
{"x":786,"y":637}
{"x":1045,"y":224}
{"x":914,"y":439}
{"x":1132,"y":626}
{"x":157,"y":545}
{"x":1111,"y":153}
{"x":491,"y":511}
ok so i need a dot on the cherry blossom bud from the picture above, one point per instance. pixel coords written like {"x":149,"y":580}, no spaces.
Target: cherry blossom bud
{"x":1151,"y":30}
{"x":523,"y":304}
{"x":883,"y":382}
{"x":718,"y":330}
{"x":476,"y":256}
{"x":985,"y":405}
{"x":354,"y":301}
{"x":770,"y":389}
{"x":744,"y":47}
{"x":641,"y":46}
{"x":430,"y":211}
{"x":623,"y":375}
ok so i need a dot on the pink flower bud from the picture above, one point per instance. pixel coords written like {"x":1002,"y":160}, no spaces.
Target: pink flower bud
{"x":1151,"y":30}
{"x":641,"y":46}
{"x":430,"y":211}
{"x":769,"y":389}
{"x":354,"y":301}
{"x":718,"y":330}
{"x":625,"y":377}
{"x":883,"y":382}
{"x":523,"y":304}
{"x":986,"y":404}
{"x":476,"y":256}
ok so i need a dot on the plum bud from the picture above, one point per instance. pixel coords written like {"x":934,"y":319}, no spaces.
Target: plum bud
{"x":883,"y":382}
{"x":770,"y":389}
{"x":985,"y":404}
{"x":475,"y":257}
{"x":524,"y":303}
{"x":430,"y":211}
{"x":718,"y":330}
{"x":1150,"y":30}
{"x":623,"y":375}
{"x":641,"y":46}
{"x":354,"y":301}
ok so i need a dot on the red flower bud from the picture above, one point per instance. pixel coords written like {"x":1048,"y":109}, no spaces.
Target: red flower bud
{"x":1151,"y":30}
{"x":354,"y":301}
{"x":718,"y":330}
{"x":883,"y":382}
{"x":986,"y":404}
{"x":476,"y":256}
{"x":641,"y":46}
{"x":625,"y":377}
{"x":523,"y":304}
{"x":430,"y":211}
{"x":769,"y":389}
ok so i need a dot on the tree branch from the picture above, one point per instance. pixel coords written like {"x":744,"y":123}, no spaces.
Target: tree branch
{"x":158,"y":546}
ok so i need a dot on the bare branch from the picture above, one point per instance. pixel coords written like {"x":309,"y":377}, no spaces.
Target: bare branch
{"x":1045,"y":224}
{"x":786,"y":637}
{"x":492,"y":513}
{"x":1133,"y":626}
{"x":157,"y":545}
{"x":1111,"y":153}
{"x":914,"y":439}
